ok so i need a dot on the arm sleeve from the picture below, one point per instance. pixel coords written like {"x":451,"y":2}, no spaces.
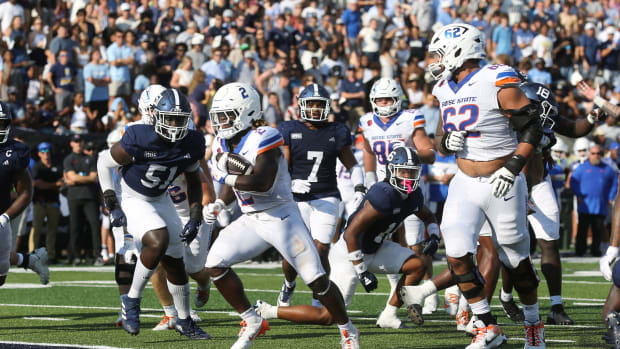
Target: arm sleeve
{"x":105,"y":169}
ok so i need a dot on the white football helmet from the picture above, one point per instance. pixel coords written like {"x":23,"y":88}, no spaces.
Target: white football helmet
{"x":452,"y":45}
{"x":558,"y":148}
{"x":234,"y":107}
{"x":581,"y":144}
{"x":147,"y":101}
{"x":386,"y":88}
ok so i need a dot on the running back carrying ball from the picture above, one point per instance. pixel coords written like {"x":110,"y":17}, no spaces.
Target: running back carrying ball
{"x":234,"y":164}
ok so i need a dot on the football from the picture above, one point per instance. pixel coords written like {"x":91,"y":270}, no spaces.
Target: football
{"x":236,"y":164}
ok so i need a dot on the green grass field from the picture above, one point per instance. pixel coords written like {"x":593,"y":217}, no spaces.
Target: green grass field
{"x":80,"y":305}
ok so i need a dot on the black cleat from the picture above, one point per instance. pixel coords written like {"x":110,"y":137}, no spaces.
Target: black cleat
{"x":130,"y":312}
{"x":187,"y":327}
{"x":415,"y":314}
{"x":513,"y":311}
{"x":613,"y":329}
{"x":558,"y":316}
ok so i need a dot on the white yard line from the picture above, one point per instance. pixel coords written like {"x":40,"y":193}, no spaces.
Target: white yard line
{"x":56,"y":345}
{"x":42,"y":318}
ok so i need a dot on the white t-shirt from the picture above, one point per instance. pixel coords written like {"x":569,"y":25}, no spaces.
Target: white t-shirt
{"x":78,"y":119}
{"x":370,"y":40}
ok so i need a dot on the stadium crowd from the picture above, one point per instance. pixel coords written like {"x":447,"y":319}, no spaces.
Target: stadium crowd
{"x":72,"y":72}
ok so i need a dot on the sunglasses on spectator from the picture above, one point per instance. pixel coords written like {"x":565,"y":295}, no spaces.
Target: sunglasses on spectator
{"x":44,"y":151}
{"x":596,"y":153}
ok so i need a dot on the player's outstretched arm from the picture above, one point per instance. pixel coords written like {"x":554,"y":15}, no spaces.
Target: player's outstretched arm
{"x":426,"y":151}
{"x":23,"y":186}
{"x":265,"y":171}
{"x":590,"y":93}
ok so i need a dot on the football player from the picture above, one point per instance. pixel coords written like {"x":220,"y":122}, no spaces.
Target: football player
{"x":15,"y":157}
{"x":479,"y":123}
{"x":384,"y":128}
{"x":611,"y":309}
{"x":365,"y":248}
{"x":149,"y":162}
{"x":270,"y":216}
{"x":311,"y":147}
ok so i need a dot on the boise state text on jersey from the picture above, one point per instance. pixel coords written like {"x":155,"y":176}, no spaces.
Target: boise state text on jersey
{"x":13,"y":155}
{"x":157,"y":162}
{"x":390,"y":203}
{"x":313,"y":155}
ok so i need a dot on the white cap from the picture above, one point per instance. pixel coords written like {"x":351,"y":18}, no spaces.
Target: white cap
{"x":589,"y":25}
{"x":446,"y":3}
{"x":198,"y":39}
{"x":248,"y":54}
{"x":610,"y":31}
{"x":125,"y":7}
{"x":227,"y":13}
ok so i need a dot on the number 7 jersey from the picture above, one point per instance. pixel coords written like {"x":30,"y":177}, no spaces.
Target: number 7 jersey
{"x":472,"y":105}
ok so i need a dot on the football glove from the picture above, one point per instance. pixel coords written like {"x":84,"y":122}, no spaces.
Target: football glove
{"x":454,"y":141}
{"x":367,"y":279}
{"x":607,"y":261}
{"x":191,"y":228}
{"x":129,"y":249}
{"x":358,"y":197}
{"x":218,"y":173}
{"x":5,"y":223}
{"x":300,"y":186}
{"x":502,"y":181}
{"x":117,"y":216}
{"x":595,"y":116}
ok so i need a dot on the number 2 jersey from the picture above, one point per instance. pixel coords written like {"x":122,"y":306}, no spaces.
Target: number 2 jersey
{"x":472,"y":105}
{"x":156,"y":162}
{"x":393,"y":206}
{"x":313,"y":156}
{"x":383,"y":136}
{"x":254,"y":143}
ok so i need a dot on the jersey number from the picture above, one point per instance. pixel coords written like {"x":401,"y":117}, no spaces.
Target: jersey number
{"x":317,"y":156}
{"x":385,"y":234}
{"x":382,"y":150}
{"x":472,"y":109}
{"x":176,"y":194}
{"x":158,"y":176}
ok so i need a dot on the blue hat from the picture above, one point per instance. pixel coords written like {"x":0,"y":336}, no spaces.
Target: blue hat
{"x":614,"y":145}
{"x":44,"y":146}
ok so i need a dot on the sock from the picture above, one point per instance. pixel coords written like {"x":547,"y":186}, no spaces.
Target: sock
{"x":556,"y":300}
{"x":20,"y":260}
{"x":316,"y":303}
{"x":346,"y":326}
{"x":531,"y":312}
{"x":290,"y":284}
{"x":390,"y":310}
{"x":393,"y":280}
{"x":463,"y":304}
{"x":141,"y":277}
{"x":170,"y":310}
{"x":180,"y":295}
{"x":483,"y":311}
{"x":428,"y":288}
{"x":250,"y":316}
{"x":505,"y":297}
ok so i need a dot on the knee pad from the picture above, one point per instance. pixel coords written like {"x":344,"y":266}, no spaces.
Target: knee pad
{"x":474,"y":277}
{"x":524,"y":277}
{"x":123,"y":271}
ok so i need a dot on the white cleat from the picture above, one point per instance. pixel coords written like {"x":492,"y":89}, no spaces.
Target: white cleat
{"x":430,"y":304}
{"x":451,"y":300}
{"x":350,"y":339}
{"x":534,"y":335}
{"x":412,"y":297}
{"x":266,"y":310}
{"x":470,"y":329}
{"x":487,"y":337}
{"x":37,"y":262}
{"x":248,"y":334}
{"x":463,"y":317}
{"x":386,"y":320}
{"x":194,"y":315}
{"x":166,"y":323}
{"x":286,"y":293}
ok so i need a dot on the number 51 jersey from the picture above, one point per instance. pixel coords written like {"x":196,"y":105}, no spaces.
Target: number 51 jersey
{"x":472,"y":105}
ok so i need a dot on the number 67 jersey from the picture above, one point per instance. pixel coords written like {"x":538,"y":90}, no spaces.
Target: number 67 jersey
{"x":472,"y":105}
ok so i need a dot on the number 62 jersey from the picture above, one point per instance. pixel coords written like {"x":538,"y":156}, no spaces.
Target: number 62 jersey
{"x":472,"y":105}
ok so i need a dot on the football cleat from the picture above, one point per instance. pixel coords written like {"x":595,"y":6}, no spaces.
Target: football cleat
{"x":266,"y":310}
{"x":350,"y":339}
{"x":512,"y":310}
{"x":37,"y":262}
{"x":412,"y":298}
{"x":194,"y":315}
{"x":187,"y":327}
{"x":613,"y":329}
{"x":286,"y":293}
{"x":486,"y":336}
{"x":451,"y":300}
{"x":201,"y":297}
{"x":248,"y":334}
{"x":430,"y":304}
{"x":558,"y":316}
{"x":469,"y":329}
{"x":166,"y":323}
{"x":130,"y":312}
{"x":534,"y":335}
{"x":386,"y":320}
{"x":463,"y":317}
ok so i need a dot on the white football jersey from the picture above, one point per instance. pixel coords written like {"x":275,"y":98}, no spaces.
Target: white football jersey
{"x":254,"y":143}
{"x":343,"y":176}
{"x":472,"y":106}
{"x":383,"y":136}
{"x":178,"y":193}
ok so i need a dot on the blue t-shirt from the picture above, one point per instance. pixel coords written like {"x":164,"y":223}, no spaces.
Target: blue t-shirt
{"x":140,"y":83}
{"x":63,"y":76}
{"x":119,"y":73}
{"x":353,"y":22}
{"x":353,"y":87}
{"x":93,"y":93}
{"x":503,"y":38}
{"x":611,"y":60}
{"x":597,"y":185}
{"x":590,"y":46}
{"x":539,"y":76}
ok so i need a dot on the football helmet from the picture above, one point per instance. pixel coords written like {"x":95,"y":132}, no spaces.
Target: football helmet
{"x":558,"y":148}
{"x":6,"y":116}
{"x":541,"y":95}
{"x":172,"y":113}
{"x":386,"y":88}
{"x":320,"y":107}
{"x":147,"y":101}
{"x":581,"y":144}
{"x":235,"y":106}
{"x":452,"y":45}
{"x":403,"y":169}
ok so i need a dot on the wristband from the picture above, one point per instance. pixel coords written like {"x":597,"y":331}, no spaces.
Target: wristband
{"x":360,"y":268}
{"x":356,"y":256}
{"x":230,"y":180}
{"x":371,"y":178}
{"x":361,"y":188}
{"x":515,"y":164}
{"x":612,"y":251}
{"x":433,"y":229}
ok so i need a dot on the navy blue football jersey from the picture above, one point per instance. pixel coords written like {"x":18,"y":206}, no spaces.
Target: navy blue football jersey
{"x":13,"y":155}
{"x":157,"y":162}
{"x":393,"y":208}
{"x":313,"y":155}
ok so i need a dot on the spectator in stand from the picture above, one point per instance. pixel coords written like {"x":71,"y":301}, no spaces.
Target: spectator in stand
{"x":214,"y":68}
{"x":353,"y":92}
{"x":195,"y":53}
{"x":273,"y":113}
{"x":538,"y":74}
{"x":609,"y":129}
{"x":445,"y":12}
{"x":47,"y":180}
{"x":84,"y":25}
{"x":96,"y":81}
{"x":479,"y":21}
{"x":564,"y":53}
{"x":352,"y":20}
{"x":586,"y":52}
{"x":182,"y":76}
{"x":543,"y":45}
{"x":8,"y":10}
{"x":502,"y":37}
{"x":121,"y":60}
{"x":609,"y":55}
{"x":163,"y":61}
{"x":523,"y":38}
{"x":247,"y":71}
{"x":61,"y":78}
{"x":62,"y":41}
{"x":369,"y":39}
{"x":430,"y":110}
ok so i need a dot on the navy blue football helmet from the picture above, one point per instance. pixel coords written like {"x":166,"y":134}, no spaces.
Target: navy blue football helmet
{"x":313,"y":103}
{"x":541,"y":95}
{"x":403,"y":169}
{"x":6,"y":116}
{"x":172,"y":113}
